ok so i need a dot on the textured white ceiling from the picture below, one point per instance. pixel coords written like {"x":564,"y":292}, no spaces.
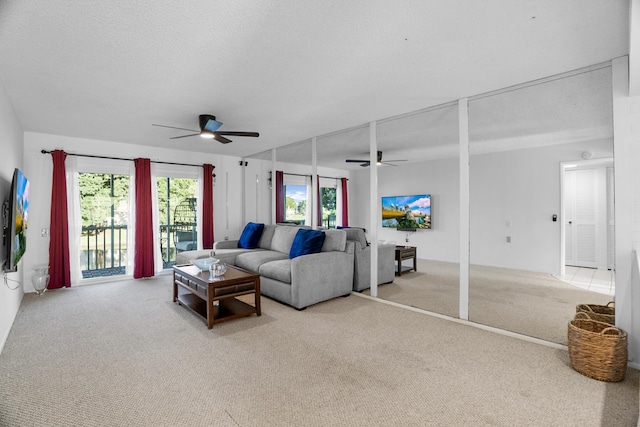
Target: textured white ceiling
{"x":290,"y":70}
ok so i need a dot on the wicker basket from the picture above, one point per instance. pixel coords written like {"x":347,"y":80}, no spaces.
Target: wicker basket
{"x":596,"y":349}
{"x":599,"y":313}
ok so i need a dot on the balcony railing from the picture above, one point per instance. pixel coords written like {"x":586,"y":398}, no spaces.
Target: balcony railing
{"x":170,"y":234}
{"x":104,"y":248}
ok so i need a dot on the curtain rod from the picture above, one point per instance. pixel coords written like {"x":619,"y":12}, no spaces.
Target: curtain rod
{"x":121,"y":158}
{"x":300,"y":174}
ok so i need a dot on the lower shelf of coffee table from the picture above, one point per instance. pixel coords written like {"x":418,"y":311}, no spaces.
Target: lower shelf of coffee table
{"x":227,"y":309}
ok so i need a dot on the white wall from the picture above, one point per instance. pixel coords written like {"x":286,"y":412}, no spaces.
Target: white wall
{"x":38,"y":168}
{"x":227,"y":198}
{"x":11,"y":157}
{"x":257,"y":191}
{"x":440,"y":178}
{"x":521,"y":186}
{"x":626,"y":124}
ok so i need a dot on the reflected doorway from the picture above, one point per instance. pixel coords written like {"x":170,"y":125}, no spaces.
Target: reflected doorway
{"x":588,"y":225}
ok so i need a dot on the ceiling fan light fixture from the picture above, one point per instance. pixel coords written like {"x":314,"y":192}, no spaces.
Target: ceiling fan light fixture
{"x":209,"y":130}
{"x":206,"y":134}
{"x":209,"y":122}
{"x":379,"y":162}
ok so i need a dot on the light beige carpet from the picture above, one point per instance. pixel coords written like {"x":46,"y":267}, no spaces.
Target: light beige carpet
{"x":534,"y":304}
{"x":123,"y":354}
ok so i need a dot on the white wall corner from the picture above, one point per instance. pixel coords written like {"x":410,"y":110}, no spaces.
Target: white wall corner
{"x":627,"y":296}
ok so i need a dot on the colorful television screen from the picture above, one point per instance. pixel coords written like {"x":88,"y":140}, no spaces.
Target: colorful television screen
{"x":407,"y":211}
{"x":19,"y":219}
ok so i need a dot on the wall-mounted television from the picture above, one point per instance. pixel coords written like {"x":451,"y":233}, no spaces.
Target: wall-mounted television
{"x":16,"y":220}
{"x":407,"y":212}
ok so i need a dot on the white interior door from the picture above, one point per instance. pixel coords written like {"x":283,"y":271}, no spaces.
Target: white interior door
{"x":581,"y":217}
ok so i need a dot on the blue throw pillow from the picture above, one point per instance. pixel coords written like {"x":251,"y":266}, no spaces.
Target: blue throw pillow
{"x":306,"y":242}
{"x":250,"y":236}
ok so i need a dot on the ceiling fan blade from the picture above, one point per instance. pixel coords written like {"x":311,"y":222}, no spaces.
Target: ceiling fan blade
{"x":396,"y":160}
{"x":184,"y":136}
{"x":356,"y":161}
{"x":172,"y":127}
{"x":220,"y":138}
{"x":365,"y":165}
{"x":233,"y":133}
{"x":389,"y":164}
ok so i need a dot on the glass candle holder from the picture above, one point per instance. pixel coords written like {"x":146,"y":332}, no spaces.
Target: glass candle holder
{"x":218,"y":270}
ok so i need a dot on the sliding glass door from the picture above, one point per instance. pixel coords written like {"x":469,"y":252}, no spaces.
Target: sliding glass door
{"x":177,"y":216}
{"x":104,"y":209}
{"x":102,"y":200}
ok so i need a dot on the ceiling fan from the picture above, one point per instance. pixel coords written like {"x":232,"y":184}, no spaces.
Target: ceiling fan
{"x":209,"y":129}
{"x":365,"y":163}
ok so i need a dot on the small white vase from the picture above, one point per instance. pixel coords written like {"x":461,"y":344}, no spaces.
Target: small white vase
{"x":40,"y":279}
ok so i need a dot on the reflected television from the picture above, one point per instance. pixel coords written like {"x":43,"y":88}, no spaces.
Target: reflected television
{"x":407,"y":212}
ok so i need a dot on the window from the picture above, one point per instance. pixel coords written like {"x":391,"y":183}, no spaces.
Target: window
{"x":328,"y":198}
{"x":297,"y":209}
{"x":295,"y":203}
{"x":328,"y":201}
{"x":297,"y":189}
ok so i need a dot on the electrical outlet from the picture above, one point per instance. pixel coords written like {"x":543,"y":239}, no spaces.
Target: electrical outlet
{"x":226,"y":237}
{"x":508,"y":239}
{"x":44,"y":232}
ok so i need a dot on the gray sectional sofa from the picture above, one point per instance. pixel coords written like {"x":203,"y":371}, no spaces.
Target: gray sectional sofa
{"x":299,"y":282}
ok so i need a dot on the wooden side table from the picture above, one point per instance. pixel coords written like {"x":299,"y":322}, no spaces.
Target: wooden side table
{"x":405,"y":253}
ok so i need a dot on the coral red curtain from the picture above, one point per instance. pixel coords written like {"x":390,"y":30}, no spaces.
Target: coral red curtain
{"x":345,"y":203}
{"x":207,"y":207}
{"x":319,"y":202}
{"x":143,"y":262}
{"x":59,"y":267}
{"x":279,"y":196}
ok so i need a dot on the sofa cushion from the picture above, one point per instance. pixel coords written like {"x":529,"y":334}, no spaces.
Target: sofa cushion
{"x":278,"y":270}
{"x":283,"y":238}
{"x":335,"y":240}
{"x":250,"y":235}
{"x":357,"y":235}
{"x":267,"y":236}
{"x":307,"y":242}
{"x":254,"y":259}
{"x":186,"y":257}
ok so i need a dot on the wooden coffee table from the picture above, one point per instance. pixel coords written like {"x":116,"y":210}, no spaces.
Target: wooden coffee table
{"x":215,"y":300}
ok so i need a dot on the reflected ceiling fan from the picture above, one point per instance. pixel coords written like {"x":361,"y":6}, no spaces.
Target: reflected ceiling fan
{"x":209,"y":129}
{"x":366,"y":163}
